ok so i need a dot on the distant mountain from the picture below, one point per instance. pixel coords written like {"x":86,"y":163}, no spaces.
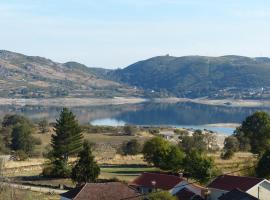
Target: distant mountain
{"x":195,"y":76}
{"x":24,"y":76}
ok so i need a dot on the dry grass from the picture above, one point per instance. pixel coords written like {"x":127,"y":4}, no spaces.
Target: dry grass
{"x":239,"y":161}
{"x":8,"y":193}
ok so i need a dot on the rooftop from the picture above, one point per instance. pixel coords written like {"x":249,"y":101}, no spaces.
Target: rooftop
{"x":161,"y":180}
{"x":237,"y":194}
{"x":228,"y":182}
{"x":104,"y":191}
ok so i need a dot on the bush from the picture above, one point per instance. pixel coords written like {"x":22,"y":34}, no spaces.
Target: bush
{"x":227,"y":155}
{"x":132,"y":147}
{"x":37,"y":141}
{"x":130,"y":130}
{"x":57,"y":169}
{"x":231,"y":143}
{"x":20,"y":155}
{"x":162,"y":195}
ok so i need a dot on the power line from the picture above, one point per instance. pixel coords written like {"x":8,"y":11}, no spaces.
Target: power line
{"x":232,"y":172}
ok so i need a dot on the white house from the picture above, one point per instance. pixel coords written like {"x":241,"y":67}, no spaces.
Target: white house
{"x":259,"y":188}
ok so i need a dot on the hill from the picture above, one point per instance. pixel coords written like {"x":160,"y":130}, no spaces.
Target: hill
{"x":24,"y":76}
{"x":222,"y":77}
{"x":198,"y":76}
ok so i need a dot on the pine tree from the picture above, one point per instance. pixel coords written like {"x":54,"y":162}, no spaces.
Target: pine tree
{"x":67,"y":139}
{"x":86,"y":169}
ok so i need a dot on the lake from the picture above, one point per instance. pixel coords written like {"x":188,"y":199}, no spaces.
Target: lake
{"x":184,"y":114}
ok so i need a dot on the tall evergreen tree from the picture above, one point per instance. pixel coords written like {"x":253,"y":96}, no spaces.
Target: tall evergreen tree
{"x":67,"y":139}
{"x":86,"y":169}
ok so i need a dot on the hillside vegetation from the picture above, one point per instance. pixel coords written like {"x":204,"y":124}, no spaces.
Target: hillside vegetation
{"x":195,"y":76}
{"x":36,"y":77}
{"x":163,"y":76}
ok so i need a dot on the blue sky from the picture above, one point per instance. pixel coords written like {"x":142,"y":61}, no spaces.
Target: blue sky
{"x":116,"y":33}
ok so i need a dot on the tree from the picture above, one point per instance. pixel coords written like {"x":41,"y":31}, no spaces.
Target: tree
{"x":231,"y":143}
{"x":211,"y":141}
{"x":130,"y":130}
{"x":244,"y":142}
{"x":162,"y":154}
{"x":199,"y":166}
{"x":173,"y":160}
{"x":43,"y":126}
{"x":86,"y":169}
{"x":257,"y":129}
{"x":132,"y":147}
{"x":263,"y":167}
{"x":197,"y":142}
{"x":67,"y":139}
{"x":22,"y":138}
{"x":12,"y":120}
{"x":155,"y":150}
{"x":162,"y":195}
{"x":228,"y":154}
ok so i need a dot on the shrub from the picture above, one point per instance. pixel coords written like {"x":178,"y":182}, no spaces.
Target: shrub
{"x":57,"y":169}
{"x":20,"y":155}
{"x":227,"y":154}
{"x":132,"y":147}
{"x":37,"y":141}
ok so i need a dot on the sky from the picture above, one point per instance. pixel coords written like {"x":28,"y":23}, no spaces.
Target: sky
{"x":117,"y":33}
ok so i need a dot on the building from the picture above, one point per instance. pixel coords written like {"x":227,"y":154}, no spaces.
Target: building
{"x":178,"y":186}
{"x":104,"y":191}
{"x":237,"y":194}
{"x":150,"y":181}
{"x":256,"y":187}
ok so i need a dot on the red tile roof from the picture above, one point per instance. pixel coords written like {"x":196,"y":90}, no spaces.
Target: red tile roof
{"x":228,"y":183}
{"x":162,"y":181}
{"x":104,"y":191}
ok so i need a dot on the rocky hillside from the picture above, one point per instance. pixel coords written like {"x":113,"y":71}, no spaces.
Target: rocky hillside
{"x":36,"y":77}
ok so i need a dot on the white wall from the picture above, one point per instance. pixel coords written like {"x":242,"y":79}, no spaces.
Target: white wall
{"x":182,"y":185}
{"x":261,"y":190}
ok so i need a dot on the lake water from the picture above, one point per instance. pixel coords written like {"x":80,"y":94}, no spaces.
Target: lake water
{"x":187,"y":115}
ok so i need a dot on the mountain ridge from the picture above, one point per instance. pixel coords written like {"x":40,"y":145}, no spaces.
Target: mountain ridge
{"x":228,"y":76}
{"x":24,"y":76}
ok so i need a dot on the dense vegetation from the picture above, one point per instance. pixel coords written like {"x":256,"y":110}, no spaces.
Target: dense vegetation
{"x":17,"y":136}
{"x":166,"y":156}
{"x":195,"y":76}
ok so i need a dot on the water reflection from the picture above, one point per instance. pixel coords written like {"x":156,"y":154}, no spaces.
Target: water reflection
{"x":179,"y":114}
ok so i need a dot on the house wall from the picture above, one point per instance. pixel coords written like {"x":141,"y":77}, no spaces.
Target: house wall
{"x":261,"y":190}
{"x":216,"y":193}
{"x":182,"y":185}
{"x":144,"y":190}
{"x":64,"y":198}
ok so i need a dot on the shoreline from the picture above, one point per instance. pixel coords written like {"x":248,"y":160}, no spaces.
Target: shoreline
{"x":71,"y":102}
{"x":217,"y":102}
{"x":75,"y":101}
{"x":223,"y":125}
